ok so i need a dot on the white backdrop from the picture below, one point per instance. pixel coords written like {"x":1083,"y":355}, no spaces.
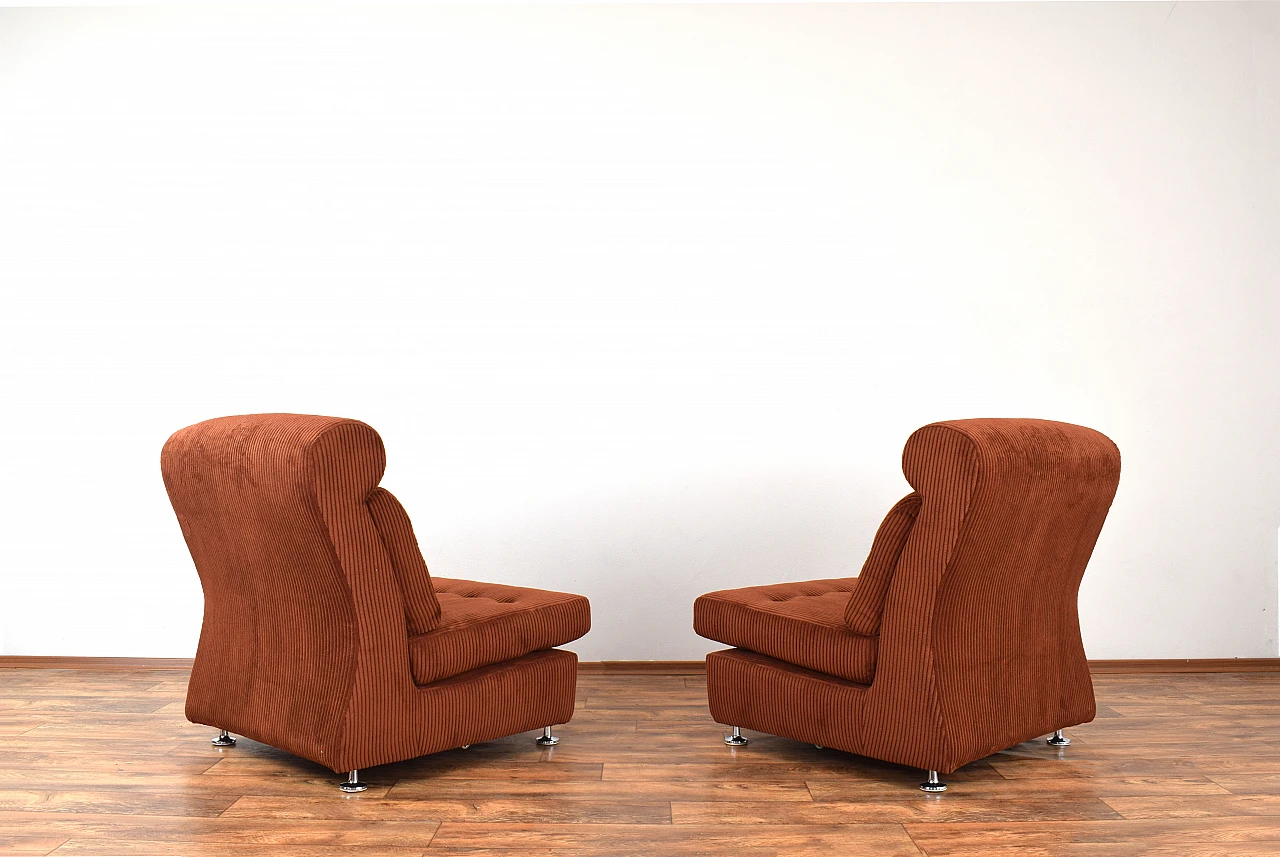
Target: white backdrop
{"x":644,"y":301}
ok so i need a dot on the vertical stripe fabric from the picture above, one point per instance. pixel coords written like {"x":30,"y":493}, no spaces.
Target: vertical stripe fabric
{"x":979,"y":645}
{"x":486,"y":623}
{"x":421,"y":607}
{"x":866,"y":604}
{"x":305,"y":640}
{"x":800,"y":623}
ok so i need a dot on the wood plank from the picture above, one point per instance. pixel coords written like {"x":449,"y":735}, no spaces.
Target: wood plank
{"x":839,"y":766}
{"x":1248,"y":783}
{"x":936,"y":808}
{"x":183,"y":831}
{"x":116,"y":801}
{"x":108,"y":733}
{"x":36,"y":704}
{"x":48,"y":758}
{"x":1135,"y":766}
{"x":119,"y":747}
{"x":547,"y":809}
{"x":131,"y":848}
{"x":643,"y":790}
{"x":946,"y":839}
{"x":29,"y":844}
{"x":189,"y":784}
{"x":442,"y":765}
{"x":828,"y":791}
{"x":1178,"y":806}
{"x":889,"y":840}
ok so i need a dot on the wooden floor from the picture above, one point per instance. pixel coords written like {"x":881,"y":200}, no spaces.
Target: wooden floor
{"x":105,"y":763}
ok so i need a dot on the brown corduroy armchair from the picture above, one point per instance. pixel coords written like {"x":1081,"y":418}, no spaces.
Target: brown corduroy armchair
{"x":960,"y":638}
{"x":323,"y":633}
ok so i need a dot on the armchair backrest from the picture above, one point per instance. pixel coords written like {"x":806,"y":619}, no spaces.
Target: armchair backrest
{"x":305,"y":619}
{"x":980,"y":636}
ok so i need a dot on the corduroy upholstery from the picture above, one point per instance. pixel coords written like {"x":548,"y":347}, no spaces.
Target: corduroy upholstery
{"x":867,"y":601}
{"x":421,"y":607}
{"x":312,"y":581}
{"x":800,"y":623}
{"x":485,"y":623}
{"x":979,"y":640}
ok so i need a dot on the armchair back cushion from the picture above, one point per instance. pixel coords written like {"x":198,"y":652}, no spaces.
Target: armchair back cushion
{"x":862,"y":613}
{"x":421,"y":607}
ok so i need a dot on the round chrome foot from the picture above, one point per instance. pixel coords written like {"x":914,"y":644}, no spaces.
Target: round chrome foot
{"x":223,"y":740}
{"x":546,"y":739}
{"x":1057,"y":739}
{"x":352,"y":783}
{"x":736,"y":739}
{"x":933,"y":784}
{"x":466,"y":746}
{"x":818,"y":747}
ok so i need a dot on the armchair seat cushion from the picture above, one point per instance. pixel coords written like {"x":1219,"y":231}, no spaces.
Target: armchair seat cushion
{"x":487,"y":623}
{"x":800,"y":623}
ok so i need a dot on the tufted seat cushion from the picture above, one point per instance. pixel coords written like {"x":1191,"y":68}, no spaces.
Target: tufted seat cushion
{"x":800,"y":623}
{"x":487,"y":623}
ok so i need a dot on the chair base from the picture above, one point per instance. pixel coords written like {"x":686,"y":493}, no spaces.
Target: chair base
{"x":223,"y":740}
{"x":767,"y":695}
{"x":736,"y":739}
{"x":1057,"y":739}
{"x":546,"y":739}
{"x":738,"y":681}
{"x":543,"y":682}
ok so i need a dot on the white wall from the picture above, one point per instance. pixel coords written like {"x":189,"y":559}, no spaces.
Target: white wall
{"x":643,"y":300}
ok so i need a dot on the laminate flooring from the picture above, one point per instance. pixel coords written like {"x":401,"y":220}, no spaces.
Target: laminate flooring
{"x":104,"y":763}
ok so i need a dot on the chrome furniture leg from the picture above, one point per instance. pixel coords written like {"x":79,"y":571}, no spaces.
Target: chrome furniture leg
{"x":352,"y":783}
{"x":933,"y":784}
{"x":223,"y":740}
{"x":546,"y":739}
{"x":1057,"y":739}
{"x":736,"y":739}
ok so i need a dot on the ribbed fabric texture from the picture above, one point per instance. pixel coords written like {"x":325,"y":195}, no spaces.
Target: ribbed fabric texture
{"x":979,"y":645}
{"x":485,"y":623}
{"x":421,"y":607}
{"x":782,"y":699}
{"x":305,"y":642}
{"x":862,"y":614}
{"x":801,"y":623}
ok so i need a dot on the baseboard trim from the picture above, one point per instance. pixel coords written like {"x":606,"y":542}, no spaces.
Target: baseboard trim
{"x":1186,"y":665}
{"x":655,"y":667}
{"x":1098,"y":667}
{"x":58,"y":662}
{"x":64,"y":662}
{"x":1128,"y":666}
